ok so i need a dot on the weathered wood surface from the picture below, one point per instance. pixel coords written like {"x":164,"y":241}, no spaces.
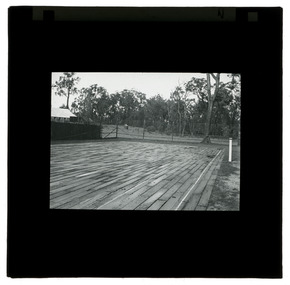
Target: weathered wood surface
{"x":118,"y":175}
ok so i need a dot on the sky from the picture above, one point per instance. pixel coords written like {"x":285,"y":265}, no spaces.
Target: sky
{"x":149,"y":83}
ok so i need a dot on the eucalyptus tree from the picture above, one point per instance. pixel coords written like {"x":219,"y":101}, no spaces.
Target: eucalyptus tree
{"x":100,"y":102}
{"x":233,"y":106}
{"x":92,"y":104}
{"x":177,"y":96}
{"x":212,"y":92}
{"x":66,"y":86}
{"x":201,"y":88}
{"x":156,"y":112}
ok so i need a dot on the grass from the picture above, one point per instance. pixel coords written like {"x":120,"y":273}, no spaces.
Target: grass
{"x":235,"y":153}
{"x":226,"y":192}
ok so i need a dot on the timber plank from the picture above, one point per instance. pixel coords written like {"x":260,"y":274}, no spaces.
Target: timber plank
{"x":68,"y":189}
{"x":152,"y":195}
{"x":193,"y":199}
{"x":185,"y":192}
{"x":74,"y":195}
{"x":204,"y":200}
{"x":115,"y":195}
{"x":185,"y":177}
{"x":156,"y":205}
{"x":109,"y":187}
{"x":78,"y":199}
{"x":169,"y":204}
{"x":128,"y":196}
{"x":122,"y":199}
{"x":75,"y":185}
{"x":200,"y":208}
{"x":156,"y":181}
{"x":208,"y":190}
{"x":191,"y":204}
{"x":170,"y":191}
{"x":125,"y":175}
{"x":205,"y":196}
{"x":135,"y":203}
{"x":89,"y":200}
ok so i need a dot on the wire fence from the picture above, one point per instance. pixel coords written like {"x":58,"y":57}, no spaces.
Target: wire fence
{"x":137,"y":133}
{"x":81,"y":131}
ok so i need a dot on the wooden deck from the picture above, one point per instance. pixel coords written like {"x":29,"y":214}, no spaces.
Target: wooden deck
{"x":123,"y":175}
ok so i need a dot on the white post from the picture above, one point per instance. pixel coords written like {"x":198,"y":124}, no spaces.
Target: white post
{"x":230,"y":149}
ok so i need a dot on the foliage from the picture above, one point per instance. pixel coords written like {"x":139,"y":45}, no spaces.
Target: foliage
{"x":66,"y":86}
{"x":156,"y":113}
{"x":225,"y":100}
{"x":151,"y":129}
{"x":92,"y":104}
{"x":192,"y":106}
{"x":127,"y":107}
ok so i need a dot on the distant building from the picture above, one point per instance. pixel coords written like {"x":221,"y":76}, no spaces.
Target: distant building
{"x":62,"y":115}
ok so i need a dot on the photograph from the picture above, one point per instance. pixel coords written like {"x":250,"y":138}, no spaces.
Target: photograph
{"x":145,"y":141}
{"x":151,"y":133}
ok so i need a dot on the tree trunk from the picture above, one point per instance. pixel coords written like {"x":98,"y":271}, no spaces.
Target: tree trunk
{"x":144,"y":124}
{"x":207,"y":123}
{"x":179,"y":116}
{"x":184,"y":123}
{"x":67,"y":99}
{"x":211,"y":99}
{"x":190,"y":124}
{"x":183,"y":129}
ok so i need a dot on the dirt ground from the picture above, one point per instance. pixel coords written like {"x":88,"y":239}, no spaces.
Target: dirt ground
{"x":226,"y":192}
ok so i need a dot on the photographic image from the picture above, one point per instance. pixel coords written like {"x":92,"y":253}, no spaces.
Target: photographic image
{"x":145,"y":141}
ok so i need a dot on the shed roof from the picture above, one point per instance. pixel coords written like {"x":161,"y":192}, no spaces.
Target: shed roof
{"x":62,"y":113}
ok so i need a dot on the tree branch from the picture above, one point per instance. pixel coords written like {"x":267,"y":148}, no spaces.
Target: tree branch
{"x":214,"y":77}
{"x":216,"y":85}
{"x":208,"y":86}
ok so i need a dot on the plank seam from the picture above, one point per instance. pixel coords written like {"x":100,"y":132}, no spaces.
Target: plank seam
{"x":206,"y":168}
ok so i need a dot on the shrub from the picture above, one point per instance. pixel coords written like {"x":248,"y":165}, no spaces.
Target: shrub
{"x":151,"y":129}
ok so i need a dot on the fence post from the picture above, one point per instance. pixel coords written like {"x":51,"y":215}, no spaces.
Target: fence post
{"x":117,"y":127}
{"x":230,"y":149}
{"x":143,"y":128}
